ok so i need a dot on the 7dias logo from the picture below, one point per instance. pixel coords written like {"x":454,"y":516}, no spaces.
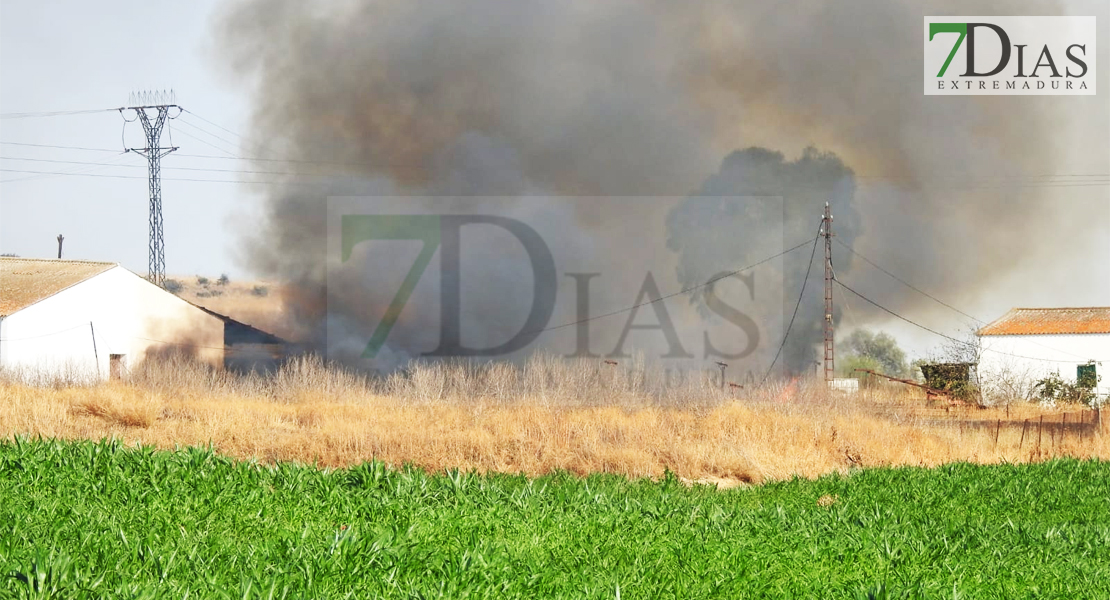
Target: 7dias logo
{"x":1004,"y":56}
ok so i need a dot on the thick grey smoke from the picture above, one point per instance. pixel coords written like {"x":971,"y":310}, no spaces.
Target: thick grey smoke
{"x":700,"y":230}
{"x":471,"y":98}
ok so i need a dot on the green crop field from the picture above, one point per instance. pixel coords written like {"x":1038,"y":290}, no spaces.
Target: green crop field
{"x":102,"y":520}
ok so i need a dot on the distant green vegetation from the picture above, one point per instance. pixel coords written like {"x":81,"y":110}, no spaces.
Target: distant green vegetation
{"x":100,"y":520}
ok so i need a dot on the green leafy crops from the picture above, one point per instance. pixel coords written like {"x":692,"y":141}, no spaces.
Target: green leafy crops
{"x":100,"y":520}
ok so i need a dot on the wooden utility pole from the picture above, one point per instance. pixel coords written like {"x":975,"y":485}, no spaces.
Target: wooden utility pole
{"x":826,"y":231}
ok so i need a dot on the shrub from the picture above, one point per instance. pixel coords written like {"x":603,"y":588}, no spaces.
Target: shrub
{"x":850,"y":363}
{"x":223,"y":280}
{"x":173,"y":286}
{"x":260,"y":290}
{"x":880,"y":348}
{"x":956,"y":379}
{"x":202,"y":280}
{"x":1053,"y":388}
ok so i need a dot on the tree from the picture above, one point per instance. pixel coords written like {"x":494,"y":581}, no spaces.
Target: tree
{"x":850,"y":363}
{"x":879,"y":349}
{"x":966,"y":350}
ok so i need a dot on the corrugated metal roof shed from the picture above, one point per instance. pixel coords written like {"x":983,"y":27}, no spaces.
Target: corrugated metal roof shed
{"x":25,"y":281}
{"x":1052,"y":321}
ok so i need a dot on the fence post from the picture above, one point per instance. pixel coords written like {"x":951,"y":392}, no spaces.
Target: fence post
{"x":1024,"y":426}
{"x":1051,"y":435}
{"x":997,"y":427}
{"x":1040,"y":432}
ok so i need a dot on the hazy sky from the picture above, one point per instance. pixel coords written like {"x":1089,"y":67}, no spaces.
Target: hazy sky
{"x":67,"y":55}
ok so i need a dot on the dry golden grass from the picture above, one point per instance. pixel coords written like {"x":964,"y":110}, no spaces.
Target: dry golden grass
{"x":547,"y":415}
{"x":258,"y":303}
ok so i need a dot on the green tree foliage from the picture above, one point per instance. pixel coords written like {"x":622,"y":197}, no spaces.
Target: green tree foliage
{"x":1055,"y":388}
{"x":850,"y":363}
{"x":880,"y":348}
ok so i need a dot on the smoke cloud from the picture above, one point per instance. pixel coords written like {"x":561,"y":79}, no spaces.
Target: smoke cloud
{"x":819,"y":102}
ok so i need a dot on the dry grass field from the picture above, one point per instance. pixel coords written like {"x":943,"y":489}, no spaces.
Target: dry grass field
{"x":258,"y":303}
{"x":548,"y":415}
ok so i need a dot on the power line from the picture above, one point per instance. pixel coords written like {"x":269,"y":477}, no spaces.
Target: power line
{"x":801,"y":294}
{"x":202,"y":169}
{"x":229,"y":157}
{"x":77,"y":171}
{"x":229,"y":154}
{"x":212,"y":124}
{"x":672,"y":295}
{"x":208,"y":133}
{"x":935,"y":332}
{"x":86,"y":148}
{"x":53,"y":333}
{"x":1035,"y":183}
{"x":887,"y":310}
{"x":64,"y":162}
{"x":908,"y":284}
{"x":191,"y":179}
{"x":56,"y":113}
{"x":111,"y":176}
{"x":937,"y":300}
{"x":225,"y":349}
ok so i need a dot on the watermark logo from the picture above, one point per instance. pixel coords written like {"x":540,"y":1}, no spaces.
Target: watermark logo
{"x":1003,"y":56}
{"x":593,"y":278}
{"x":443,"y":233}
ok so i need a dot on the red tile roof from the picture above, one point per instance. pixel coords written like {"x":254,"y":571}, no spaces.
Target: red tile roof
{"x":1032,"y":321}
{"x":25,"y":281}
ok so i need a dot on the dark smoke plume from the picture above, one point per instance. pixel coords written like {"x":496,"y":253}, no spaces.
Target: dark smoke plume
{"x":470,"y":98}
{"x":701,"y":229}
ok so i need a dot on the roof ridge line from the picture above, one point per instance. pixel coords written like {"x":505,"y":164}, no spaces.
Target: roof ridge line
{"x":61,"y":260}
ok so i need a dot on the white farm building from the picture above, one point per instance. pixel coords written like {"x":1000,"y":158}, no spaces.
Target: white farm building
{"x":82,"y":319}
{"x":1027,"y":344}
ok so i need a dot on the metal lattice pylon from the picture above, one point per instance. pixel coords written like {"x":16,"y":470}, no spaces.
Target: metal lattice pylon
{"x":153,"y":117}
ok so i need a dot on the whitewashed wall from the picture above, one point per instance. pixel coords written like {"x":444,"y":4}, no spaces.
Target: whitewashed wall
{"x":1046,"y":354}
{"x":129,"y":316}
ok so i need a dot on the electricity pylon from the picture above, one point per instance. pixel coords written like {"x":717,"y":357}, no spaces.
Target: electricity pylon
{"x":152,"y":109}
